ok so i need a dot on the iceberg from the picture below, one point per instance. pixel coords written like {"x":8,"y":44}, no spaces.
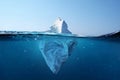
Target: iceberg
{"x":56,"y":52}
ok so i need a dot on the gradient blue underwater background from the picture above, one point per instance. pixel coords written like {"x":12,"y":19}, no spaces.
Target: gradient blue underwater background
{"x":91,"y":59}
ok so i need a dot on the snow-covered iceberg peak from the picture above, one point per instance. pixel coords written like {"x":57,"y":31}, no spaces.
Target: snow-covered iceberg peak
{"x":60,"y":26}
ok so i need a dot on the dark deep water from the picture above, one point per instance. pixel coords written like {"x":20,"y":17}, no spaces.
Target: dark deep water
{"x":91,"y":59}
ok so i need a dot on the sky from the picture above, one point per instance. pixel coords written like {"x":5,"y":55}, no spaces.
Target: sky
{"x":84,"y":17}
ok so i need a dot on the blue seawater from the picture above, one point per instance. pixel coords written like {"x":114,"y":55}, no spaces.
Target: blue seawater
{"x":90,"y":59}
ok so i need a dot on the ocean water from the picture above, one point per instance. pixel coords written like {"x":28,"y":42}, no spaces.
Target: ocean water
{"x":91,"y":59}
